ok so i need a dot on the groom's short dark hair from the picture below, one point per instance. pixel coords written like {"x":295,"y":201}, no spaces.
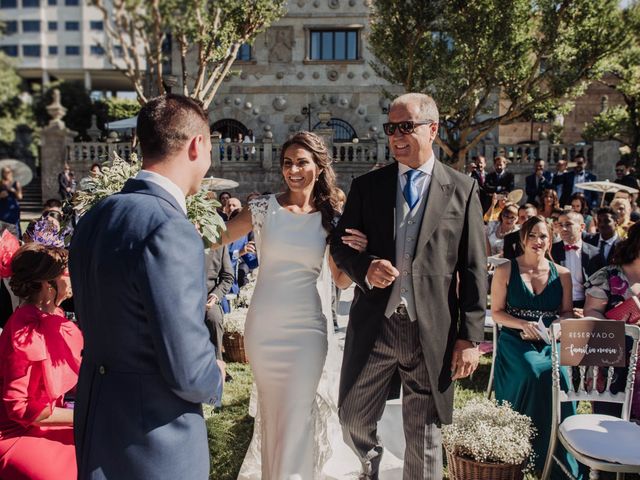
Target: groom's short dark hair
{"x":166,"y":122}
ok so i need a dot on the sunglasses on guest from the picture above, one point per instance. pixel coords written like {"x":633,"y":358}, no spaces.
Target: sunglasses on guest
{"x":406,"y":128}
{"x":52,"y":214}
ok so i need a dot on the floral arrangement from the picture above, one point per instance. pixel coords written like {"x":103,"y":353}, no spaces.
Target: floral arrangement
{"x":234,"y":321}
{"x":48,"y":234}
{"x":489,"y":432}
{"x":201,"y":208}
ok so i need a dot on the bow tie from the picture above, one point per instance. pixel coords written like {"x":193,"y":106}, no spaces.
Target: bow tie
{"x":571,"y":247}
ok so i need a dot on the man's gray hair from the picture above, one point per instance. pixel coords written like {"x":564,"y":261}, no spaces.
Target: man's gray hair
{"x":426,"y":104}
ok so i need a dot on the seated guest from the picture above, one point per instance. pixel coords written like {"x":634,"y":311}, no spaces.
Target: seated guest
{"x":548,"y":202}
{"x":499,"y":181}
{"x":555,"y":223}
{"x":605,"y":289}
{"x":40,"y":351}
{"x":573,"y":178}
{"x":607,"y":237}
{"x":582,"y":259}
{"x":524,"y":290}
{"x":537,"y":182}
{"x":579,"y":205}
{"x":497,"y":203}
{"x":496,"y":231}
{"x":622,"y":207}
{"x":512,"y":245}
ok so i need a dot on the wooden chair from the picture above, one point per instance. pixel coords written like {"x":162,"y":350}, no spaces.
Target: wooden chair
{"x":588,"y":436}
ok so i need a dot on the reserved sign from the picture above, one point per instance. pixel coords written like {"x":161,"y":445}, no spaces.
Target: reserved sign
{"x":592,"y":343}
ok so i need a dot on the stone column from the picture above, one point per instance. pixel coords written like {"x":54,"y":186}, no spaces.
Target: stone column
{"x":605,"y":156}
{"x":55,"y":139}
{"x":215,"y":150}
{"x":267,"y":152}
{"x":325,"y":131}
{"x":543,"y":150}
{"x":380,"y":150}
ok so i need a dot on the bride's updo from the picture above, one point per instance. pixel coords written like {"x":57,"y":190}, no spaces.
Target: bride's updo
{"x":325,"y":192}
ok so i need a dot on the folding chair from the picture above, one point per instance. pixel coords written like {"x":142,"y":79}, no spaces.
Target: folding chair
{"x":495,"y":331}
{"x":601,"y":442}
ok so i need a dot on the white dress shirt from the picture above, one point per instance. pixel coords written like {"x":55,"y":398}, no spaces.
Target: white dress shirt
{"x":166,"y":184}
{"x":579,"y":178}
{"x":573,"y":261}
{"x":422,"y":181}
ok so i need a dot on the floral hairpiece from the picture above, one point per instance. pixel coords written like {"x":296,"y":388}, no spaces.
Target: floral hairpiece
{"x":9,"y":244}
{"x":48,"y":234}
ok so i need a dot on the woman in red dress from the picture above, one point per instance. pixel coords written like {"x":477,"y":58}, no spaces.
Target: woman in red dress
{"x":39,"y":363}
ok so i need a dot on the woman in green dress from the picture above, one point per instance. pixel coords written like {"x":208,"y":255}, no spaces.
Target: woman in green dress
{"x":524,"y":290}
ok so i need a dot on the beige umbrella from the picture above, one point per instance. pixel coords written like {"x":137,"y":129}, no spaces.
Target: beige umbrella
{"x":605,"y":186}
{"x":515,"y":196}
{"x":21,"y":171}
{"x":216,"y":183}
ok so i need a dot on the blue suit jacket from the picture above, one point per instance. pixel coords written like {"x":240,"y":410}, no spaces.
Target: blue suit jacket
{"x":137,"y":269}
{"x":569,"y":181}
{"x":533,"y":190}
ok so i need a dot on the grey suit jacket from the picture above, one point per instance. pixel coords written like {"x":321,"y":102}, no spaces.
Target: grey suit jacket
{"x":449,"y":271}
{"x":137,"y":270}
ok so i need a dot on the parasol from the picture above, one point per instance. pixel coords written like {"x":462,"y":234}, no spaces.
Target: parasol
{"x":21,"y":171}
{"x":216,"y":183}
{"x":514,"y":196}
{"x":605,"y":186}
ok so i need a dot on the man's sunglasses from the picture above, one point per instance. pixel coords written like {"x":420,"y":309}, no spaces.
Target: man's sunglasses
{"x":406,"y":127}
{"x":52,"y":214}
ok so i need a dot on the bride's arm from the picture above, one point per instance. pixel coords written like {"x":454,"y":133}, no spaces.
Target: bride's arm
{"x":237,"y":227}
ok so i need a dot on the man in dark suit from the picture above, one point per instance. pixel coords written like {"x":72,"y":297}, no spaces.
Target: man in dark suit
{"x":480,"y":175}
{"x":537,"y":182}
{"x":607,"y":238}
{"x":578,"y":175}
{"x":137,"y":269}
{"x":500,"y":181}
{"x":420,"y":305}
{"x":220,"y":278}
{"x":512,"y":247}
{"x":579,"y":257}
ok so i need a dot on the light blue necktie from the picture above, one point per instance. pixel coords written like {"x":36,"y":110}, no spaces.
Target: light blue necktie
{"x":410,"y":190}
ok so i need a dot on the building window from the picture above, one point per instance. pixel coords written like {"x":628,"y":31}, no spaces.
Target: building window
{"x":72,"y":26}
{"x":96,"y":25}
{"x":52,"y":26}
{"x":72,"y":3}
{"x":52,"y":3}
{"x":30,"y":50}
{"x":97,"y":50}
{"x":72,"y":50}
{"x":333,"y":45}
{"x":118,"y":52}
{"x":8,"y":3}
{"x":244,"y":54}
{"x":10,"y":27}
{"x":10,"y":50}
{"x":53,"y":50}
{"x":30,"y":3}
{"x":30,"y":26}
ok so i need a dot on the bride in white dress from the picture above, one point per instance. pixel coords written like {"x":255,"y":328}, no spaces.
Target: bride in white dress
{"x":286,"y":330}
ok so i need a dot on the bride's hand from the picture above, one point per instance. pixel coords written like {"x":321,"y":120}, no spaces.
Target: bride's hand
{"x":356,"y":240}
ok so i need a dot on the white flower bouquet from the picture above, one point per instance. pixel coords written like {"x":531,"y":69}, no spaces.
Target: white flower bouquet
{"x":488,"y":432}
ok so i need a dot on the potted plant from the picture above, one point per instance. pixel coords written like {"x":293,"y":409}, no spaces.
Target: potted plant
{"x":488,"y":439}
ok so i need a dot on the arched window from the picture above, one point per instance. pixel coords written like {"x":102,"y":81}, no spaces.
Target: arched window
{"x":229,"y":128}
{"x":342,"y":131}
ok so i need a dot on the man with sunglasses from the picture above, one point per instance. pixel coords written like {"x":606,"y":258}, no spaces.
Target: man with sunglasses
{"x":579,"y":175}
{"x":420,"y":306}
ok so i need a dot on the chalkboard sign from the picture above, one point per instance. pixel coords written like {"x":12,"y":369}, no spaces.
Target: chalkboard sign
{"x":592,"y":343}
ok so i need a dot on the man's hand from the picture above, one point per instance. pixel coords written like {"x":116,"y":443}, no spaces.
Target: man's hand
{"x":465,"y":359}
{"x":250,"y":247}
{"x":578,"y":312}
{"x":381,"y":273}
{"x":212,"y":300}
{"x":223,"y":369}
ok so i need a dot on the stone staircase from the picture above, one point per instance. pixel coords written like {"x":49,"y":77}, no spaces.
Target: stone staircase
{"x":31,"y":203}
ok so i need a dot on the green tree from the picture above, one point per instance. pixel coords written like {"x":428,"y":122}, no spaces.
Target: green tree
{"x":209,"y":32}
{"x":473,"y":55}
{"x":114,"y":108}
{"x":624,"y":124}
{"x":14,"y":112}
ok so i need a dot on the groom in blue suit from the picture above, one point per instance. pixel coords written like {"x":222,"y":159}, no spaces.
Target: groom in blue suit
{"x":138,"y":274}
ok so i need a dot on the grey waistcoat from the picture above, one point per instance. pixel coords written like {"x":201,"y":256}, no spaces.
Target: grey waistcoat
{"x":407,"y":230}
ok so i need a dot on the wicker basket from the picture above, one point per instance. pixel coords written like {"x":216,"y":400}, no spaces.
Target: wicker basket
{"x":461,"y":468}
{"x":234,"y":347}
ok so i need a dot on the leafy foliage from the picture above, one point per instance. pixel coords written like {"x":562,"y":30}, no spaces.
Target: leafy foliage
{"x":14,"y":112}
{"x":491,"y":62}
{"x":612,"y":124}
{"x":210,"y":32}
{"x":201,"y":210}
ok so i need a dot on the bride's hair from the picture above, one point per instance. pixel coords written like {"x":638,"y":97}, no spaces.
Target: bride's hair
{"x":325,"y":192}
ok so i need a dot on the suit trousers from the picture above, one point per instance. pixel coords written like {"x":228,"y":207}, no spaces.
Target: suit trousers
{"x":397,"y":348}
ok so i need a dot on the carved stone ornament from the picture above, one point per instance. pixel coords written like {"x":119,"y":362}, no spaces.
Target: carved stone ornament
{"x":334,"y":4}
{"x":333,"y":75}
{"x":280,"y":42}
{"x":55,"y":110}
{"x":316,"y":75}
{"x":279,"y":103}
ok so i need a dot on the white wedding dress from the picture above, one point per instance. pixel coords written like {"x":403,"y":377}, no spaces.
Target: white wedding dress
{"x":287,"y":338}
